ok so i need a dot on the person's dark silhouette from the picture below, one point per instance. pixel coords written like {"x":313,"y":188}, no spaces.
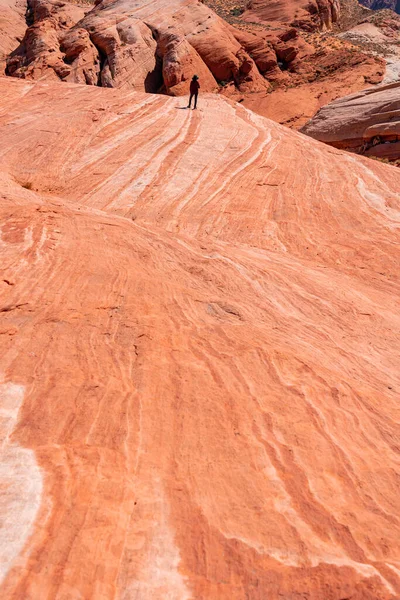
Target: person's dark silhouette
{"x":194,"y":91}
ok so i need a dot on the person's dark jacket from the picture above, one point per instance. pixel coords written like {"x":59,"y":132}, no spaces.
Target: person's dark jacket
{"x":194,"y":86}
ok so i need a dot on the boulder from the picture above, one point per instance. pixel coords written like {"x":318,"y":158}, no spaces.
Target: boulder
{"x":359,"y":121}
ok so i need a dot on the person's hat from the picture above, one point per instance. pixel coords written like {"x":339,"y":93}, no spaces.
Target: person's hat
{"x":195,"y":76}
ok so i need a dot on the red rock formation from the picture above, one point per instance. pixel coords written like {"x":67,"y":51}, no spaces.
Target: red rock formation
{"x":367,"y":122}
{"x":39,"y":55}
{"x":12,"y":28}
{"x":200,"y":348}
{"x":315,"y":77}
{"x":147,"y":46}
{"x":156,"y":47}
{"x":309,"y":69}
{"x":309,"y":15}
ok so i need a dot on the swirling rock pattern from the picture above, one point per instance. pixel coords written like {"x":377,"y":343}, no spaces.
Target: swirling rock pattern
{"x":199,"y":317}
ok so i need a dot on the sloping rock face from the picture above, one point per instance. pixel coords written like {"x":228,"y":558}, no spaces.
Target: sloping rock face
{"x":200,"y":349}
{"x":316,"y":14}
{"x":150,"y":46}
{"x":367,"y":122}
{"x":12,"y":28}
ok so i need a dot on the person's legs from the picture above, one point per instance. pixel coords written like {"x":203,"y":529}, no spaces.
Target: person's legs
{"x":190,"y":100}
{"x":195,"y":100}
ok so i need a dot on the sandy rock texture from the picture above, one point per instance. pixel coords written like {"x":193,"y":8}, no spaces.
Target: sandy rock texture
{"x":323,"y":70}
{"x":149,"y":46}
{"x":378,"y":33}
{"x":12,"y":28}
{"x":315,"y":63}
{"x":157,"y":47}
{"x":200,"y":345}
{"x":39,"y":55}
{"x":367,"y":122}
{"x":316,"y":14}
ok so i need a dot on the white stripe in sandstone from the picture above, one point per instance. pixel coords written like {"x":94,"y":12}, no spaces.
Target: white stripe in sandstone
{"x":21,"y":482}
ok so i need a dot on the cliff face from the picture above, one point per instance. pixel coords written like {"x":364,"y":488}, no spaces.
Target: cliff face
{"x":200,"y":348}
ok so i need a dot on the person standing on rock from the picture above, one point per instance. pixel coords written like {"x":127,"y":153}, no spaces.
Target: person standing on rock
{"x":194,"y":91}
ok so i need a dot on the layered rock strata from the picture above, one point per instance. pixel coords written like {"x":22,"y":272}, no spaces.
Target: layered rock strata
{"x":200,"y":347}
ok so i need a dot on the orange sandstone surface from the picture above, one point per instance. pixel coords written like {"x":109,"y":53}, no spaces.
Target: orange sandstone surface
{"x":12,"y":27}
{"x":200,"y":333}
{"x":320,"y":14}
